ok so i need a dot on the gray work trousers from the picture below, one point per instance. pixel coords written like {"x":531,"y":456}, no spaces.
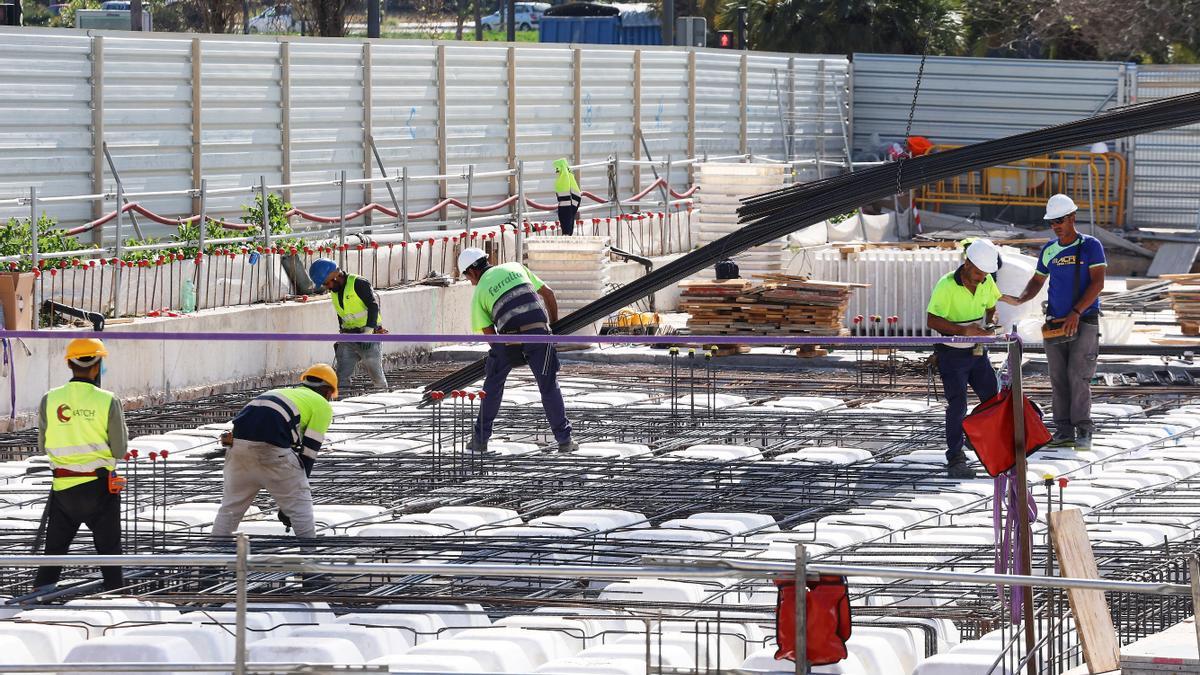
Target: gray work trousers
{"x":251,"y":466}
{"x":1072,"y":366}
{"x":347,"y":356}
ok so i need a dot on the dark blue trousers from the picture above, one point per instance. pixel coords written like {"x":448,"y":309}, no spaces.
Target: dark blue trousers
{"x":543,"y":362}
{"x":960,"y":368}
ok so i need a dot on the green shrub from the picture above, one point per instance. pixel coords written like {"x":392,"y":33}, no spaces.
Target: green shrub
{"x":16,"y":238}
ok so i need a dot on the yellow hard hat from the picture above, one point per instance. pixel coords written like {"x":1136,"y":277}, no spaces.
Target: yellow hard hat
{"x":85,"y":351}
{"x":321,"y":372}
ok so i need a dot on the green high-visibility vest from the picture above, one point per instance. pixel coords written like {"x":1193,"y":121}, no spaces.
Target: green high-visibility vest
{"x":77,"y":431}
{"x":350,"y":308}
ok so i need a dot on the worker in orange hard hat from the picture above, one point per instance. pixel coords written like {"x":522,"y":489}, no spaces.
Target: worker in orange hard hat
{"x":81,"y":428}
{"x":274,"y":445}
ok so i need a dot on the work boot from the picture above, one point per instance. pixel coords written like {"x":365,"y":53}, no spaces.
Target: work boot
{"x":1063,"y":438}
{"x":473,"y":446}
{"x":569,"y":446}
{"x":1083,"y":440}
{"x":959,"y":470}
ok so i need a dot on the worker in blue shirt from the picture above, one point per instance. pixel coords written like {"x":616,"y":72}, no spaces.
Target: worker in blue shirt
{"x":1074,"y":263}
{"x":274,"y":446}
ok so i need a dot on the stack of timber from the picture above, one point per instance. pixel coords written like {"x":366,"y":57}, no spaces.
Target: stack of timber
{"x":780,"y":305}
{"x":1185,"y":300}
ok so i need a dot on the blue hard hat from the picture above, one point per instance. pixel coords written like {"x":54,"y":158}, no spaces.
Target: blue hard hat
{"x":320,"y":270}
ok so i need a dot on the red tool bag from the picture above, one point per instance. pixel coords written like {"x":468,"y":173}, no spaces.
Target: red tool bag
{"x":828,"y":620}
{"x":989,"y":430}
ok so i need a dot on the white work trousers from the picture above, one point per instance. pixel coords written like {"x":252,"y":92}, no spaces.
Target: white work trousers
{"x":251,"y":466}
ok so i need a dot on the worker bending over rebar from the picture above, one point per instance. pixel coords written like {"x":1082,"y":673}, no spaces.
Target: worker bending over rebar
{"x":81,"y":428}
{"x":274,"y":445}
{"x":964,"y":303}
{"x":509,"y":299}
{"x":357,"y":309}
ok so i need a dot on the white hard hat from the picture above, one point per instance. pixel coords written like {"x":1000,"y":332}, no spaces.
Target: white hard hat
{"x":984,"y":255}
{"x":1058,"y":206}
{"x":468,"y":257}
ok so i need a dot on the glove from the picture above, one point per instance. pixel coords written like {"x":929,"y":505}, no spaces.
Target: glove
{"x":308,"y":463}
{"x":287,"y":522}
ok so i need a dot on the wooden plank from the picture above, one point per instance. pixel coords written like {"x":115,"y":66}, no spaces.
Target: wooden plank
{"x":1092,"y":618}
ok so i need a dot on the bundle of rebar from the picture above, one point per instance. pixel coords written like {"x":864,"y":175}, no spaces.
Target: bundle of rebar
{"x":781,"y":212}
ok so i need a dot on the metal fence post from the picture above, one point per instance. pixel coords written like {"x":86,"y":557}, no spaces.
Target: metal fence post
{"x":801,"y":608}
{"x":200,"y":241}
{"x":470,"y":196}
{"x":519,"y":235}
{"x":1024,"y":566}
{"x":342,"y":220}
{"x":266,"y":210}
{"x":33,"y":232}
{"x":666,"y":207}
{"x":33,"y":250}
{"x":116,"y":253}
{"x":243,"y":552}
{"x":404,"y":223}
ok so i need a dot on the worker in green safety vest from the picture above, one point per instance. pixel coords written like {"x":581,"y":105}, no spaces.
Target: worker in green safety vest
{"x":566,"y":189}
{"x":963,"y":303}
{"x":81,"y":428}
{"x":357,"y":309}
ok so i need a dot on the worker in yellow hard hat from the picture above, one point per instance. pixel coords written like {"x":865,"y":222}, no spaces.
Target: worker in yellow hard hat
{"x":81,"y":428}
{"x":274,"y":445}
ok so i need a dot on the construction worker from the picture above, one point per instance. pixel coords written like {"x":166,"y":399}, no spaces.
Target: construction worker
{"x":81,"y":428}
{"x":1075,"y":265}
{"x":566,"y":188}
{"x":357,"y":309}
{"x":510,"y":300}
{"x":964,"y":303}
{"x":274,"y":445}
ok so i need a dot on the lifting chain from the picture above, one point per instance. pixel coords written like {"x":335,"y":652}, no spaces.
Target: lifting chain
{"x":912,"y":109}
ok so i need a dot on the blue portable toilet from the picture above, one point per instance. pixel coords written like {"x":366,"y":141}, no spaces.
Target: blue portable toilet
{"x":594,"y":23}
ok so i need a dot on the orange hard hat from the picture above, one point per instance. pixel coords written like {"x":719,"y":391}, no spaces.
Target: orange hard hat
{"x":321,"y":373}
{"x":85,"y":351}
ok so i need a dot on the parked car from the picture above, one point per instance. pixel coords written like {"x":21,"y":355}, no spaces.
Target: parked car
{"x":277,"y":19}
{"x":117,"y":4}
{"x":528,"y":15}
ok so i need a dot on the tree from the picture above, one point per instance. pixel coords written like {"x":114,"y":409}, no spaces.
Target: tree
{"x":66,"y":15}
{"x":328,"y":18}
{"x":846,"y":26}
{"x":217,"y":16}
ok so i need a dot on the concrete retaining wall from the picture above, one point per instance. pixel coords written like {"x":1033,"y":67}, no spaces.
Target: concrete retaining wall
{"x":147,"y":372}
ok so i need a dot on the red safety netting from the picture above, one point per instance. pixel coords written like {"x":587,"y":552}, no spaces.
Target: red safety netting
{"x":363,"y":210}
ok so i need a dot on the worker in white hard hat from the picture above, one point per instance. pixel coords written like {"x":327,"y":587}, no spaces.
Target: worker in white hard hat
{"x":964,"y":303}
{"x":1075,"y":265}
{"x":510,"y":300}
{"x":273,"y":446}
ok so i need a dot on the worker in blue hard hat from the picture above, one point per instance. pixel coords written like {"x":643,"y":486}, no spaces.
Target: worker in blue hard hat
{"x":357,"y":309}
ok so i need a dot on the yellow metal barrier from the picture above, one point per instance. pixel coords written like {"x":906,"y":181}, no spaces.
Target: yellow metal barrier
{"x":1095,"y":180}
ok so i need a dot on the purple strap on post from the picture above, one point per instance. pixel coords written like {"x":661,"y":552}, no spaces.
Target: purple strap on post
{"x":12,"y":377}
{"x":1008,"y":540}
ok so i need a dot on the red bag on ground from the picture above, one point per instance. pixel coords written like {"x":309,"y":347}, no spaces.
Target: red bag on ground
{"x":989,"y":430}
{"x":828,"y":620}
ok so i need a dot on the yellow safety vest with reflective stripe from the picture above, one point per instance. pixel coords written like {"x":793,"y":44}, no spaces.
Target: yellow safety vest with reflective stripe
{"x":350,"y":308}
{"x":77,"y":431}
